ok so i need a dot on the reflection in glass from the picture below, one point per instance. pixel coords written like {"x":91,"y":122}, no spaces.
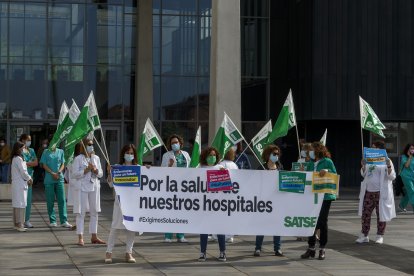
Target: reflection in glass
{"x":128,"y":97}
{"x":179,"y":45}
{"x":179,"y":7}
{"x":203,"y":98}
{"x":254,"y":99}
{"x":179,"y":98}
{"x":108,"y":92}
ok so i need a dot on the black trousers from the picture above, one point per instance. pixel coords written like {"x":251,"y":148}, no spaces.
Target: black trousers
{"x":322,"y":225}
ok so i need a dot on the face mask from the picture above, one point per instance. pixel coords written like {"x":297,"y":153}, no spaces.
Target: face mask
{"x":89,"y":149}
{"x":234,"y":148}
{"x":128,"y":157}
{"x":274,"y":158}
{"x":28,"y":143}
{"x":44,"y":145}
{"x":412,"y":151}
{"x":303,"y":153}
{"x":211,"y":160}
{"x":2,"y":144}
{"x":312,"y":154}
{"x":175,"y":147}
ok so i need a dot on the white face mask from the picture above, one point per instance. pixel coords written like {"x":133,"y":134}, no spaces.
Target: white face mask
{"x":303,"y":153}
{"x":312,"y":154}
{"x":2,"y":144}
{"x":28,"y":143}
{"x":128,"y":157}
{"x":89,"y":149}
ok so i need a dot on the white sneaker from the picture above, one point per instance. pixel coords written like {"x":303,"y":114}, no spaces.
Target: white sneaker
{"x":53,"y":224}
{"x":362,"y":239}
{"x":212,"y":238}
{"x":27,"y":224}
{"x":21,"y":229}
{"x":66,"y":225}
{"x":182,"y":240}
{"x":379,"y":239}
{"x":230,"y":240}
{"x":167,"y":240}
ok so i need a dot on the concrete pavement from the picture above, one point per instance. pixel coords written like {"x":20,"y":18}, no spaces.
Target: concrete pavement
{"x":46,"y":251}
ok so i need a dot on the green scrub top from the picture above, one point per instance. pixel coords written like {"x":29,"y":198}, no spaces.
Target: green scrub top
{"x":181,"y":162}
{"x":54,"y":160}
{"x":29,"y":156}
{"x":407,"y":172}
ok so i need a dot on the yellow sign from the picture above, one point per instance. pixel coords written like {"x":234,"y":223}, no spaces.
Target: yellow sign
{"x":329,"y":183}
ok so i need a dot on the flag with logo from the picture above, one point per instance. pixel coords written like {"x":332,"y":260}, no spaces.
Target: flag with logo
{"x":285,"y":121}
{"x":149,"y":140}
{"x":87,"y":121}
{"x":370,"y":120}
{"x":323,"y":139}
{"x":195,"y":155}
{"x":259,"y":141}
{"x":227,"y":136}
{"x":63,"y":116}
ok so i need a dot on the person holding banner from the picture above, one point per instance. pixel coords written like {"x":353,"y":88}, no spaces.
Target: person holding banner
{"x":175,"y":157}
{"x":87,"y":170}
{"x":209,"y":159}
{"x":270,"y":156}
{"x":323,"y":164}
{"x":30,"y":157}
{"x":128,"y":157}
{"x":53,"y":162}
{"x":407,"y":176}
{"x":376,"y":192}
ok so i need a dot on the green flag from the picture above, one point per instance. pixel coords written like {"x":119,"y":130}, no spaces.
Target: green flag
{"x":87,"y":121}
{"x":149,"y":140}
{"x":227,"y":136}
{"x":259,"y":141}
{"x":195,"y":155}
{"x":63,"y":116}
{"x":66,"y":126}
{"x":285,"y":121}
{"x":370,"y":120}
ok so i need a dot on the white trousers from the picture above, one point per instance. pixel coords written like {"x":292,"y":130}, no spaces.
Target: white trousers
{"x":18,"y":216}
{"x":113,"y":235}
{"x":88,"y":199}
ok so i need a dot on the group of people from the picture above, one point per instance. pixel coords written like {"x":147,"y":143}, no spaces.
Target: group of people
{"x":85,"y":172}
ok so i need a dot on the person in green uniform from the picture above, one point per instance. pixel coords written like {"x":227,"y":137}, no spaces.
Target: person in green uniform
{"x":175,"y":157}
{"x":53,"y":162}
{"x":29,"y":156}
{"x":323,"y":164}
{"x":407,"y":176}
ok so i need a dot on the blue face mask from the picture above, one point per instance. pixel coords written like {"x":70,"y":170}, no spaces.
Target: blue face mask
{"x":175,"y":147}
{"x":303,"y":153}
{"x":28,"y":143}
{"x":312,"y":154}
{"x":128,"y":157}
{"x":274,"y":158}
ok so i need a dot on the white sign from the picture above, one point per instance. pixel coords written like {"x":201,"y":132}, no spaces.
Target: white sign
{"x":176,"y":200}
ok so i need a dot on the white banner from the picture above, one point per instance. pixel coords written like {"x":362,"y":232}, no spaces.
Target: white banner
{"x":176,"y":200}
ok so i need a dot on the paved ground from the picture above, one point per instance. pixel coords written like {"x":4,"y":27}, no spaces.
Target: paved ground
{"x":45,"y":251}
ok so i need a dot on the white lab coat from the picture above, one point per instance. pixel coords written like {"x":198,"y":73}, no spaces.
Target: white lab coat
{"x":82,"y":182}
{"x":386,"y":203}
{"x":170,"y":155}
{"x":230,"y":165}
{"x":19,"y":176}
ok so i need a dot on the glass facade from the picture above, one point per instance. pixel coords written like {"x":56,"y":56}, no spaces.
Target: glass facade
{"x":255,"y":20}
{"x":181,"y":67}
{"x":52,"y":51}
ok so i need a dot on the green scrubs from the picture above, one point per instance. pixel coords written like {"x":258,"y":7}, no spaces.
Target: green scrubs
{"x":29,"y":156}
{"x":407,"y":176}
{"x":54,"y":160}
{"x":181,"y":163}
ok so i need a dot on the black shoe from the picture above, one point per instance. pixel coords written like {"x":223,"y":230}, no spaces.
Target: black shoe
{"x":279,"y":253}
{"x":202,"y":257}
{"x":256,"y":253}
{"x":222,"y":257}
{"x":310,"y":253}
{"x":321,"y":254}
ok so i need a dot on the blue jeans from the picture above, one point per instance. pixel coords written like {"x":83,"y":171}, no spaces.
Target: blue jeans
{"x":204,"y":240}
{"x":276,"y":243}
{"x":4,"y":173}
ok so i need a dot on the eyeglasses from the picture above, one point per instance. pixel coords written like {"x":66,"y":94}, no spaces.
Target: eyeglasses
{"x":275,"y":153}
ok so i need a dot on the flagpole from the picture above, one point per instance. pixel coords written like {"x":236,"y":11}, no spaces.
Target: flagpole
{"x":99,"y":146}
{"x":362,"y":142}
{"x":86,"y":152}
{"x":360,"y":125}
{"x":297,"y":138}
{"x":241,"y":154}
{"x":104,"y":144}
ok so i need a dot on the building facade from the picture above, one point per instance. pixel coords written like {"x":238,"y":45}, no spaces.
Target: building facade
{"x":184,"y":62}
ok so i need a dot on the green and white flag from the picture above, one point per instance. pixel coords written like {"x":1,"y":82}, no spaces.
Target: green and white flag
{"x":259,"y":141}
{"x":195,"y":155}
{"x":323,"y":139}
{"x":285,"y":121}
{"x":370,"y":120}
{"x":149,"y":140}
{"x":63,"y":116}
{"x":227,"y":136}
{"x":87,"y":121}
